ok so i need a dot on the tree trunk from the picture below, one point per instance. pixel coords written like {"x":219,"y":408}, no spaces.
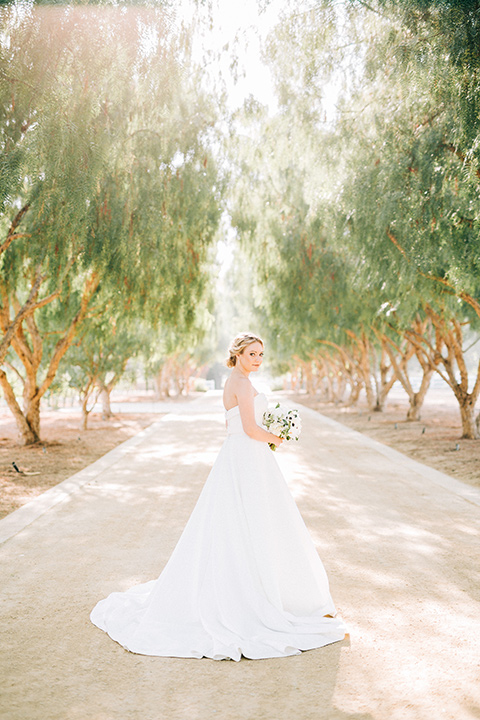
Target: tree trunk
{"x":85,"y":413}
{"x":85,"y":395}
{"x":29,"y":434}
{"x":449,"y":336}
{"x":350,"y":372}
{"x":106,"y":407}
{"x":416,"y":399}
{"x":362,"y":361}
{"x":385,"y":383}
{"x":308,"y":375}
{"x":32,"y":414}
{"x":399,"y":357}
{"x":421,"y":327}
{"x":320,"y":372}
{"x":335,"y":379}
{"x":329,"y":392}
{"x":415,"y":403}
{"x":28,"y":421}
{"x":367,"y":382}
{"x":467,"y":413}
{"x":341,"y":384}
{"x":382,"y":394}
{"x":162,"y":381}
{"x":355,"y":390}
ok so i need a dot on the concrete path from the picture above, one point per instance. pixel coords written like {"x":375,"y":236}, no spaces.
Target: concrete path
{"x":400,"y":543}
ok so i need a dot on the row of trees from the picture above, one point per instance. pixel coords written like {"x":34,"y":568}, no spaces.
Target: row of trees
{"x":360,"y":225}
{"x":363,"y":229}
{"x":109,"y":197}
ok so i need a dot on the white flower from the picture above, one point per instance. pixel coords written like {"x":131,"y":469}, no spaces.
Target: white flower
{"x":283,"y":422}
{"x":276,"y":427}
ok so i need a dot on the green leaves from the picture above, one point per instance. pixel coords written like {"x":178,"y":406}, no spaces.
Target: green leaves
{"x":361,"y":220}
{"x":104,"y":134}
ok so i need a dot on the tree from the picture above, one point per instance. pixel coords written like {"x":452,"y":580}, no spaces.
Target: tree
{"x":411,"y":203}
{"x":406,"y":205}
{"x":307,"y":285}
{"x":119,"y":193}
{"x":98,"y":359}
{"x":175,"y":357}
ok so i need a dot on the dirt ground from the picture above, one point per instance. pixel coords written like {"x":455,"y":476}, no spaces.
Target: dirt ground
{"x":400,"y":548}
{"x":434,"y":440}
{"x":64,"y":451}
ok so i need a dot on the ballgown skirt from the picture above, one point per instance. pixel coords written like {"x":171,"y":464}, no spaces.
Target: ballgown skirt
{"x":244,"y":578}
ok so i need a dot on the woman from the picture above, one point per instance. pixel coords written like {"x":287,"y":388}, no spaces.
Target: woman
{"x":244,"y":578}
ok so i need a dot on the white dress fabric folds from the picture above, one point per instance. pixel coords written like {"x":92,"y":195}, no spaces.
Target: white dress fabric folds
{"x":244,"y":578}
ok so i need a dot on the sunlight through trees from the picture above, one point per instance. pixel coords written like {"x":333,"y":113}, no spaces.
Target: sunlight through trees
{"x":109,"y":187}
{"x":353,"y":198}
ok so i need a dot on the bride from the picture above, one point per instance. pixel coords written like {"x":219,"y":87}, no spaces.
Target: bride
{"x":245,"y":577}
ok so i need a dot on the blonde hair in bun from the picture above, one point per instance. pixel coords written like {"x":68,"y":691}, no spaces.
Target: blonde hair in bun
{"x":238,"y":345}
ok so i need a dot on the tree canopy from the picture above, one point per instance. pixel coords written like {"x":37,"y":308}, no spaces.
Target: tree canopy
{"x":363,"y":226}
{"x":355,"y":200}
{"x":110,"y":193}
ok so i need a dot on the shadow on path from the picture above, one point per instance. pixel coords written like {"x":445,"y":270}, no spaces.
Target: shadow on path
{"x":399,"y":549}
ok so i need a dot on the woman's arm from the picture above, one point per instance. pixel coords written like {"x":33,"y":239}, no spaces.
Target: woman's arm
{"x":245,"y":397}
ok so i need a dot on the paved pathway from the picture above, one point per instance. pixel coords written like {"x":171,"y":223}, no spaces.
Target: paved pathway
{"x":400,"y":543}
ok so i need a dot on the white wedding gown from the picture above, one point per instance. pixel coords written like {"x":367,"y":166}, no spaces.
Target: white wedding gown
{"x":244,"y":578}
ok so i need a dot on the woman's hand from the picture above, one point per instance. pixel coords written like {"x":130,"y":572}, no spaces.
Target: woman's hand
{"x":277,"y":441}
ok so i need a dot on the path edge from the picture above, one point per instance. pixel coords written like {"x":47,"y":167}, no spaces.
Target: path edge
{"x":467,"y":492}
{"x":19,"y":519}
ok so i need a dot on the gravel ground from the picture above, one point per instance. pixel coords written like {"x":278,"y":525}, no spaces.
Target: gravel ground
{"x":400,"y":543}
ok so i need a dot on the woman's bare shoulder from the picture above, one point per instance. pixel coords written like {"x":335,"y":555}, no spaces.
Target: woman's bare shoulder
{"x":243,"y":387}
{"x":238,"y":388}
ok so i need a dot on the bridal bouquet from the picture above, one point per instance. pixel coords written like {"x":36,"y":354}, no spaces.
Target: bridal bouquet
{"x":284,"y":423}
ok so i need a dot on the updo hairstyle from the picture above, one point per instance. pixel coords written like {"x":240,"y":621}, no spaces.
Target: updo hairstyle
{"x":238,"y":345}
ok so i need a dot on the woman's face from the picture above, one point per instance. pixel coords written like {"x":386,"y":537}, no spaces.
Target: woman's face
{"x":251,"y":358}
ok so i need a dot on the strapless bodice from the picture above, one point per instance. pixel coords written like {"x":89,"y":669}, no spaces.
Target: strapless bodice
{"x":234,"y":421}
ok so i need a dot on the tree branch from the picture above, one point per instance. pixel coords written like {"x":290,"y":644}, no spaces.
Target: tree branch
{"x":12,"y":235}
{"x":14,"y":370}
{"x":13,"y":404}
{"x":65,"y":342}
{"x":466,"y":297}
{"x":11,"y":330}
{"x":451,"y":148}
{"x":476,"y":387}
